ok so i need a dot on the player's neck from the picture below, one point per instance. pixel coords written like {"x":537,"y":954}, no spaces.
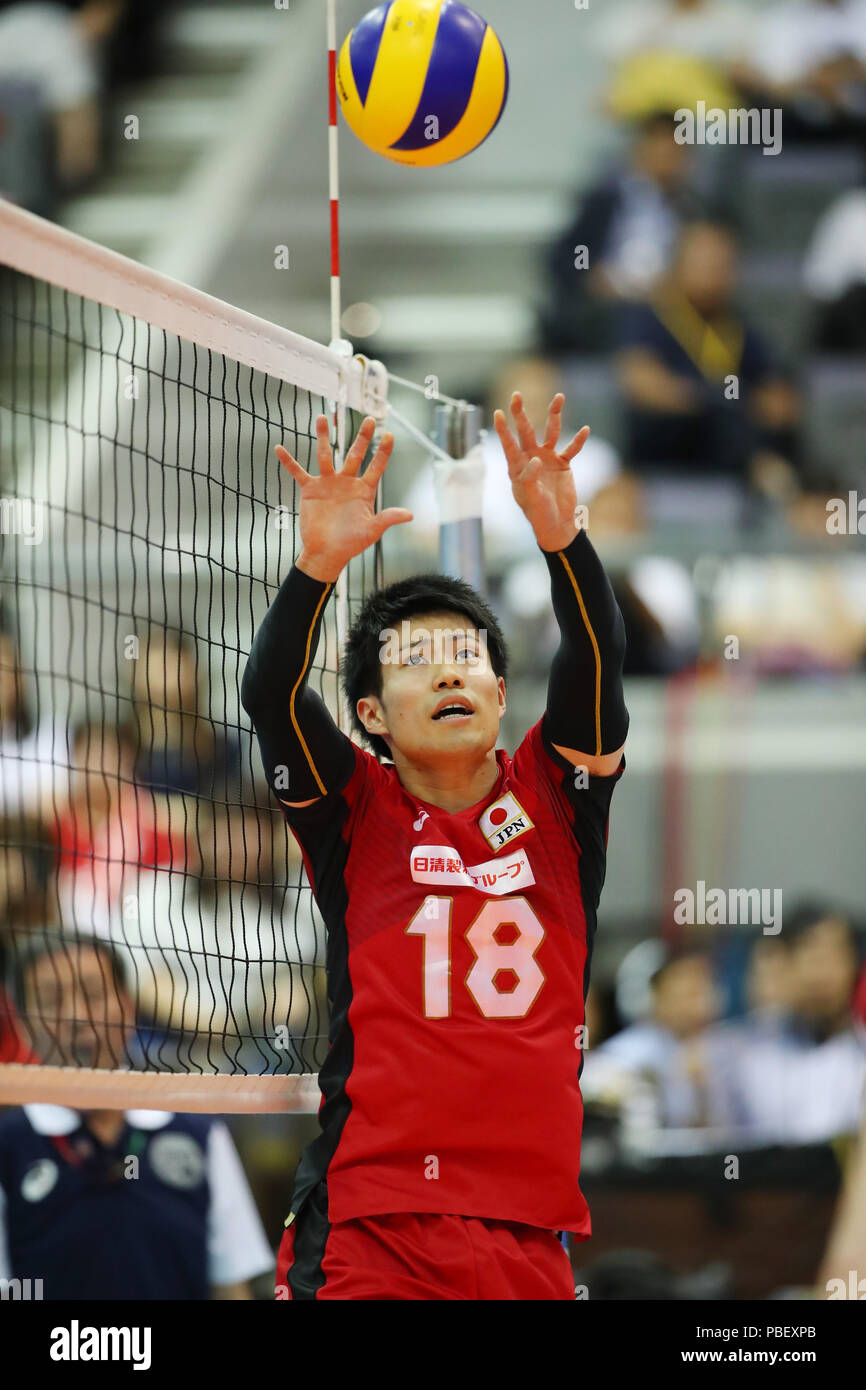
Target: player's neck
{"x":454,"y":787}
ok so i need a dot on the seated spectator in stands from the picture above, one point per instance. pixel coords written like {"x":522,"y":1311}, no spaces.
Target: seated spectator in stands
{"x":655,"y":593}
{"x":179,"y":748}
{"x":767,"y":1020}
{"x":27,"y":898}
{"x":46,"y":44}
{"x":713,"y":29}
{"x":703,"y":393}
{"x":248,"y":955}
{"x":826,"y":958}
{"x":185,"y":1228}
{"x":717,"y":31}
{"x":684,"y":1003}
{"x":108,"y":829}
{"x":126,"y":34}
{"x":671,"y":55}
{"x":619,"y":242}
{"x":809,"y":58}
{"x":33,"y":752}
{"x":27,"y":862}
{"x":834,"y":275}
{"x":800,"y":1080}
{"x":794,"y":614}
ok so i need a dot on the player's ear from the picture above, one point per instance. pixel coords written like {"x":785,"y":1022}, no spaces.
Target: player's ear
{"x":369,"y":711}
{"x":500,"y":684}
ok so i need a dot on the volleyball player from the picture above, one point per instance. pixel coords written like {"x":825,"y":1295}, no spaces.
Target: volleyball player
{"x":459,"y":887}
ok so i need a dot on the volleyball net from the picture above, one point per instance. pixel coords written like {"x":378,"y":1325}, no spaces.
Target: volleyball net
{"x":160,"y":944}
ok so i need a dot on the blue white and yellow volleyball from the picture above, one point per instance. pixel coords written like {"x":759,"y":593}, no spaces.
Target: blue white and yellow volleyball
{"x":422,"y":82}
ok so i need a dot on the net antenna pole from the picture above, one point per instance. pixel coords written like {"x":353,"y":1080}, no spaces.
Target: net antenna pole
{"x":339,"y":344}
{"x":459,"y":489}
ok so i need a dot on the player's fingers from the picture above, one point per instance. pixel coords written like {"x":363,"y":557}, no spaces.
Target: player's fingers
{"x":553,"y":429}
{"x":510,"y":447}
{"x":529,"y":476}
{"x":358,"y":451}
{"x":577,"y":443}
{"x":392,"y":516}
{"x":299,"y":474}
{"x":379,"y":461}
{"x":323,"y":445}
{"x":525,"y":432}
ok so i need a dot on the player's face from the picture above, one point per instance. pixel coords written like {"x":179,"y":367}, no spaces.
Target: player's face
{"x":441,"y":698}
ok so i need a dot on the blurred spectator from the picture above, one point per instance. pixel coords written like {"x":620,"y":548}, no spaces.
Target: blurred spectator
{"x":655,"y":593}
{"x":834,"y":275}
{"x":826,"y":960}
{"x":810,"y":58}
{"x":797,"y":1079}
{"x":33,"y":752}
{"x":189,"y":1217}
{"x":44,"y":43}
{"x":703,"y":393}
{"x":725,"y":1047}
{"x":684,"y":1002}
{"x":27,"y":898}
{"x":179,"y":750}
{"x":59,"y":59}
{"x":27,"y":864}
{"x":619,"y":242}
{"x":670,"y":54}
{"x":108,"y":829}
{"x":794,"y":614}
{"x":249,"y":959}
{"x":718,"y":32}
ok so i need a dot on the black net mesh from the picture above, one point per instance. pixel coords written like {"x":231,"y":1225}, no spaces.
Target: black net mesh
{"x":154,"y":911}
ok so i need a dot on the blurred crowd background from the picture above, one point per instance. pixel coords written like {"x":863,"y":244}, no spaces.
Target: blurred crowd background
{"x":702,"y":307}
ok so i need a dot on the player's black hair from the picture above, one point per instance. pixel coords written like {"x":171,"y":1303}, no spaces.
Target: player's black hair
{"x":30,"y":946}
{"x":386,"y":609}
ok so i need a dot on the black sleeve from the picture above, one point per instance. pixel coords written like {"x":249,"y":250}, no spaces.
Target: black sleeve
{"x":304,"y":753}
{"x":585,"y":701}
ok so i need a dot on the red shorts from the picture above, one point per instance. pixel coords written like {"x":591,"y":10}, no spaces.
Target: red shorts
{"x":419,"y":1255}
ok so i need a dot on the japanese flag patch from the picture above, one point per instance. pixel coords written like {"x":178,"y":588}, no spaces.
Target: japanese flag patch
{"x":504,"y":821}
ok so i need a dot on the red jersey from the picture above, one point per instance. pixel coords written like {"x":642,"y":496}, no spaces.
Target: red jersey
{"x":458,"y":962}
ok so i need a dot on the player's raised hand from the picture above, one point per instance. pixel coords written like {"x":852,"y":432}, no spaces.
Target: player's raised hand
{"x":541,"y":478}
{"x":336,"y":516}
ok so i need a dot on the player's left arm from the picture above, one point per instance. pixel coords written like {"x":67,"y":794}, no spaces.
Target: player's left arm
{"x":587,"y":720}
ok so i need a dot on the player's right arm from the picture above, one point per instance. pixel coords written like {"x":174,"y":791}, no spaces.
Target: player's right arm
{"x":304,"y":753}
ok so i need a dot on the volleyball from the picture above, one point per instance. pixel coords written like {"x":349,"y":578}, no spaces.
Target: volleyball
{"x":422,"y":82}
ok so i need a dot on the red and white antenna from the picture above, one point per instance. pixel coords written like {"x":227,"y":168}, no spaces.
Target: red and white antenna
{"x":333,"y":168}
